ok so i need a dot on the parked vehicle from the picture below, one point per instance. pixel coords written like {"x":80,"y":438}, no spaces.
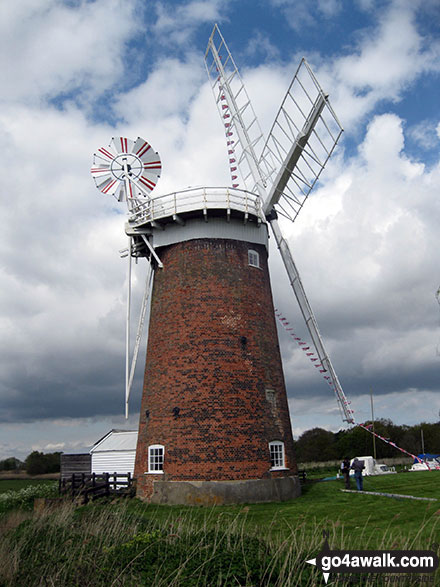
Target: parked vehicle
{"x":372,"y":467}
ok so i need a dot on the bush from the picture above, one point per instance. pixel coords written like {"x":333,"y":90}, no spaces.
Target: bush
{"x":38,"y":463}
{"x":11,"y":464}
{"x":24,"y":498}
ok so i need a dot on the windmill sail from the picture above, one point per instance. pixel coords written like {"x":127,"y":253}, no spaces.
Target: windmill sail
{"x":311,"y":323}
{"x":244,"y":137}
{"x":303,"y":137}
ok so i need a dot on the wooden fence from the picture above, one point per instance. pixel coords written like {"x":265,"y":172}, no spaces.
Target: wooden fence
{"x":96,"y":485}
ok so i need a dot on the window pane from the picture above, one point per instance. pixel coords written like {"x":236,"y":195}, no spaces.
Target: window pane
{"x":155,"y":458}
{"x":253,"y":258}
{"x":276,"y":451}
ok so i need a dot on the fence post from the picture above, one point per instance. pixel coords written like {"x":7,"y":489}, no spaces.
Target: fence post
{"x":115,"y":479}
{"x":107,"y":484}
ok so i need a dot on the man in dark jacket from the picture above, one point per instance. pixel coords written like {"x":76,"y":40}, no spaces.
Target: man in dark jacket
{"x":358,"y":466}
{"x":345,"y":468}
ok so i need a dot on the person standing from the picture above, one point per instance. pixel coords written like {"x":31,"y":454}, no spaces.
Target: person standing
{"x":345,"y":468}
{"x":358,"y":466}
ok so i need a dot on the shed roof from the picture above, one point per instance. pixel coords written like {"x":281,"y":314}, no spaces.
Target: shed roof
{"x":116,"y":440}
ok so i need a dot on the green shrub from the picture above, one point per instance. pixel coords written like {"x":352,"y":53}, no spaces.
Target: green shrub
{"x":24,"y":498}
{"x":38,"y":463}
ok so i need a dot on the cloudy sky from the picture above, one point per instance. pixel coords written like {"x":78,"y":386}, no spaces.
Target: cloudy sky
{"x":367,"y":243}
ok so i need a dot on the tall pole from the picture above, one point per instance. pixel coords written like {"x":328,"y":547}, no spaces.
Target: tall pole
{"x":127,"y":332}
{"x":423,"y":443}
{"x":372,"y":420}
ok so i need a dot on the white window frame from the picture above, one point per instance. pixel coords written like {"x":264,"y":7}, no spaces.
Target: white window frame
{"x":253,"y":258}
{"x":277,"y":454}
{"x":156,"y":462}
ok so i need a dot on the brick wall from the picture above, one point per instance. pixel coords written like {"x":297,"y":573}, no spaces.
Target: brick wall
{"x":214,"y":392}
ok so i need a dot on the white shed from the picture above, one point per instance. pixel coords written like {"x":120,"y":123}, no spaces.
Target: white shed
{"x":115,"y":452}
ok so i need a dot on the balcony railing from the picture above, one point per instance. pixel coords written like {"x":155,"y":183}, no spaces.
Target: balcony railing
{"x":190,"y":200}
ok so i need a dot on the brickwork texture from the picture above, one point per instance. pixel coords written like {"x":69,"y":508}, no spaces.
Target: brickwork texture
{"x":214,"y":393}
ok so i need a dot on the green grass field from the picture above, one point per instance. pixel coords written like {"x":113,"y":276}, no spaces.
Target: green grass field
{"x":355,"y":518}
{"x":17,"y":484}
{"x":126,"y":542}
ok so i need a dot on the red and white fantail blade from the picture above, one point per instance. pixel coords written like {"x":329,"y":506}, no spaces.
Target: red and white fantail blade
{"x":126,"y":169}
{"x":122,"y":144}
{"x":151,"y":163}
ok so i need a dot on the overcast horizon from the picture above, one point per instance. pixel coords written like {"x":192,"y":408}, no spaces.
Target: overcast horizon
{"x":78,"y":72}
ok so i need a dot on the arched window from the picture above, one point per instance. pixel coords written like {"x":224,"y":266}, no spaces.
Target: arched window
{"x":276,"y":453}
{"x":155,"y":458}
{"x":253,"y":258}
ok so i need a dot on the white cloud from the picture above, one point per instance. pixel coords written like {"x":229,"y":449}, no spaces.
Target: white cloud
{"x":167,"y":92}
{"x":366,"y":5}
{"x":329,"y":7}
{"x":366,"y":242}
{"x":387,"y":61}
{"x":49,"y":48}
{"x":259,"y":44}
{"x":301,"y":14}
{"x":62,"y":280}
{"x":368,"y":263}
{"x":425,"y":134}
{"x":176,"y":24}
{"x":51,"y":447}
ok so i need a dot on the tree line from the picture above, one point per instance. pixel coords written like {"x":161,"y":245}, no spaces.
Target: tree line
{"x":315,"y":445}
{"x":36,"y":463}
{"x":320,"y":445}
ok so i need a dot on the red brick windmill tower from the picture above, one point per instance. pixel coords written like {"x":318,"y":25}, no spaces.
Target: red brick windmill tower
{"x":214,"y":421}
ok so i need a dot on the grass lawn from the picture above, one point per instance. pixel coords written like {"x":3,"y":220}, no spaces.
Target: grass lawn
{"x":127,"y":542}
{"x":355,"y":520}
{"x":17,"y":484}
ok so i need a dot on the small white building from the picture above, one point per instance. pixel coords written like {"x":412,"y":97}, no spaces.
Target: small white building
{"x":115,"y":452}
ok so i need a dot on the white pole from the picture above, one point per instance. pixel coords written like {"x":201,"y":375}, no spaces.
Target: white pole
{"x":144,"y":308}
{"x":127,"y":331}
{"x":372,"y":421}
